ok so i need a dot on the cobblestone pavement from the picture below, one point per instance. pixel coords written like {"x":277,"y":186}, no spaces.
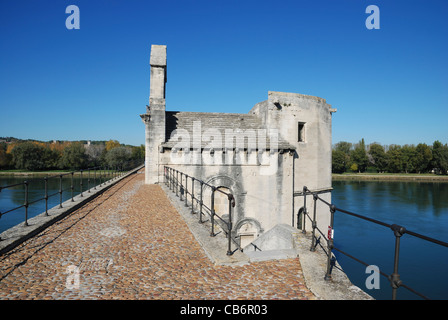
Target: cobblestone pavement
{"x":130,"y":243}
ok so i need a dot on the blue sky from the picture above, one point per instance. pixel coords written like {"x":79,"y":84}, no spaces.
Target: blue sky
{"x":389,"y":85}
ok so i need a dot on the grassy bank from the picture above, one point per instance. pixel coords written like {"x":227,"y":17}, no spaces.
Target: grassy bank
{"x":428,"y":177}
{"x":344,"y":176}
{"x":45,"y":173}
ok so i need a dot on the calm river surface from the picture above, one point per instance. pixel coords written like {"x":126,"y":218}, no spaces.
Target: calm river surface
{"x":420,"y":207}
{"x":14,"y":197}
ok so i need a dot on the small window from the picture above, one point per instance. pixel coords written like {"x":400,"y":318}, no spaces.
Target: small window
{"x":301,"y":132}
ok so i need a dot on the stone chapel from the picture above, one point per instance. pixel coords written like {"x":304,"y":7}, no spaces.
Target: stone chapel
{"x":263,"y":157}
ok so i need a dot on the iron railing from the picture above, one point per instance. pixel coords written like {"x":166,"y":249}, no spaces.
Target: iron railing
{"x":178,"y":182}
{"x":394,"y":277}
{"x":96,"y":177}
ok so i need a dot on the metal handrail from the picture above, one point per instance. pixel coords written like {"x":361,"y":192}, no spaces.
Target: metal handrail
{"x":177,"y":186}
{"x":106,"y":174}
{"x":398,"y":230}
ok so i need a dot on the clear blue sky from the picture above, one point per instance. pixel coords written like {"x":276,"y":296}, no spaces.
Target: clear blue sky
{"x":389,"y":85}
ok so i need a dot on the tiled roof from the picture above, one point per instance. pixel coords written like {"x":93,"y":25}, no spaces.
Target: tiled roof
{"x":225,"y":123}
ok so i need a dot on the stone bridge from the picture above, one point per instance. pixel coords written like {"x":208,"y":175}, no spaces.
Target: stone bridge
{"x":133,"y":241}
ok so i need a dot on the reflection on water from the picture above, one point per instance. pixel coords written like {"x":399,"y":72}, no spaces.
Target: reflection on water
{"x":421,"y":207}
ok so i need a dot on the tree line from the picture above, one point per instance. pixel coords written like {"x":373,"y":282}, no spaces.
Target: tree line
{"x":31,"y":155}
{"x":421,"y":158}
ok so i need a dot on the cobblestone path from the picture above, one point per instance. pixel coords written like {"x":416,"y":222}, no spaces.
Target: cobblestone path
{"x":130,"y":243}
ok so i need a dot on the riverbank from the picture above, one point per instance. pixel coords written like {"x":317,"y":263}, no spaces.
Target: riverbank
{"x":13,"y":173}
{"x":335,"y":176}
{"x":390,"y":177}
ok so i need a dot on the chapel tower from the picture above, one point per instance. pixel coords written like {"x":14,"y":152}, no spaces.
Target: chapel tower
{"x":154,"y":118}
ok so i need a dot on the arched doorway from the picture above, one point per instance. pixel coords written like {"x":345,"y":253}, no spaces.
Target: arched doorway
{"x":248,"y":230}
{"x":222,"y":202}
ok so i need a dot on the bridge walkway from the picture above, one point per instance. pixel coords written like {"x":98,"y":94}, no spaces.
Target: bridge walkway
{"x":131,"y":243}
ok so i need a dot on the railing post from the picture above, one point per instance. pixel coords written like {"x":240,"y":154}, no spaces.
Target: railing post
{"x":80,"y":184}
{"x":304,"y":209}
{"x":186,"y":190}
{"x":314,"y":225}
{"x":201,"y":202}
{"x":94,"y":178}
{"x":88,"y":181}
{"x":169,"y":177}
{"x":26,"y":203}
{"x":182,"y":187}
{"x":60,"y":191}
{"x":177,"y":183}
{"x":72,"y":187}
{"x":212,"y":209}
{"x":192,"y":194}
{"x":330,"y":260}
{"x":46,"y":195}
{"x":395,"y":276}
{"x":229,"y":234}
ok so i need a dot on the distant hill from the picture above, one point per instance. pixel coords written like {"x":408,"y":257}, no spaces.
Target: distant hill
{"x":92,"y":142}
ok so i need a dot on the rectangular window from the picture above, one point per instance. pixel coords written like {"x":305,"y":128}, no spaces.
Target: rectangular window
{"x":301,"y":132}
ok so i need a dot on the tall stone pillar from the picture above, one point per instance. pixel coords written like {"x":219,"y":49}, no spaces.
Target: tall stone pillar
{"x":154,"y":118}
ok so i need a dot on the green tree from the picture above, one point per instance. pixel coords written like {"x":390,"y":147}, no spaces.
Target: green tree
{"x":440,"y":157}
{"x":5,"y":158}
{"x":117,"y":156}
{"x":378,"y":157}
{"x":4,"y":161}
{"x":423,"y":158}
{"x":340,"y":161}
{"x":409,"y":158}
{"x":28,"y":156}
{"x":344,"y":147}
{"x":394,"y":159}
{"x":341,"y":156}
{"x":359,"y":156}
{"x":138,"y":153}
{"x":74,"y":156}
{"x":50,"y":158}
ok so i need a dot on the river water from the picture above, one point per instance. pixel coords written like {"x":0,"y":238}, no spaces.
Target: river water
{"x":419,"y":206}
{"x":14,"y":197}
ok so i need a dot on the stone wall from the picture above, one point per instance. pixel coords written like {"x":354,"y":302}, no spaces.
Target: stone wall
{"x":263,"y":180}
